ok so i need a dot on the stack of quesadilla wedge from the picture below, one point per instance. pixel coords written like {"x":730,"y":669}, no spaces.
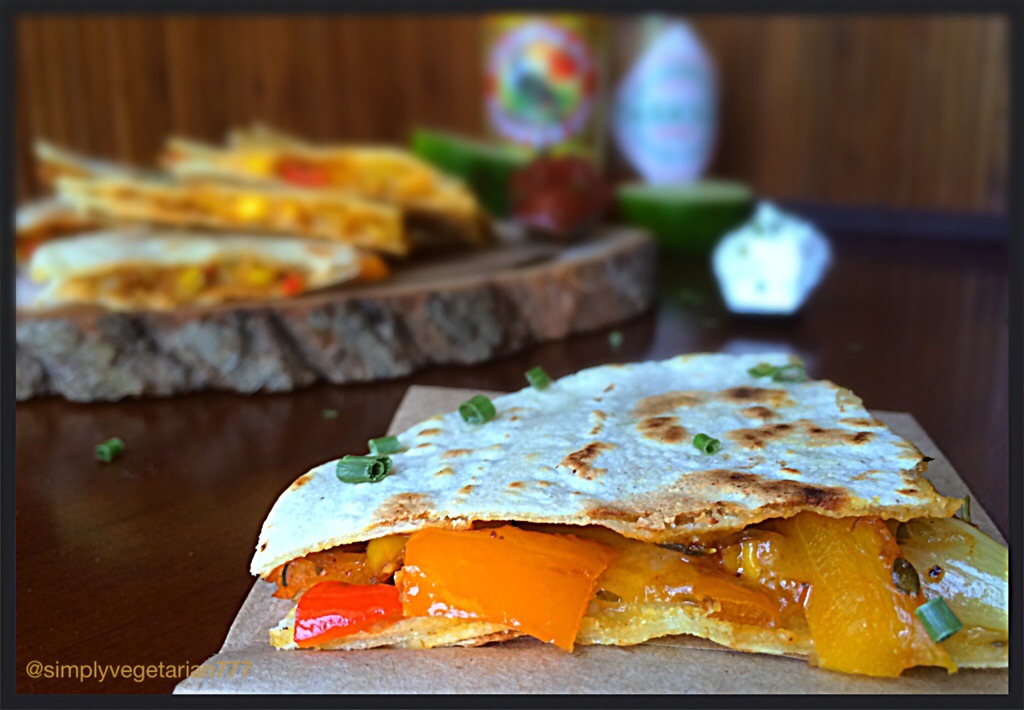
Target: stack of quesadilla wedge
{"x":721,"y":496}
{"x":376,"y":202}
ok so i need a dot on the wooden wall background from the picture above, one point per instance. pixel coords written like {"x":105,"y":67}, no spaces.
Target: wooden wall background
{"x":890,"y":111}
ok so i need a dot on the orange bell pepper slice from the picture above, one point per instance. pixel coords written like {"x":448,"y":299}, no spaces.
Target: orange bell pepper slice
{"x":537,"y":583}
{"x":859,"y":621}
{"x":331,"y":610}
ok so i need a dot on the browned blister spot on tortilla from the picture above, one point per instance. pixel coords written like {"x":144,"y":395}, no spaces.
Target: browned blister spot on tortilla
{"x":446,"y":471}
{"x":759,"y":412}
{"x":790,"y":471}
{"x":430,"y":432}
{"x":424,"y":445}
{"x":455,"y":453}
{"x":863,"y":422}
{"x":609,"y":388}
{"x":516,"y":485}
{"x":756,"y":395}
{"x":465,"y":489}
{"x":580,"y":461}
{"x":544,"y":484}
{"x":792,"y":495}
{"x":597,"y":417}
{"x":804,"y":431}
{"x":604,"y":513}
{"x":659,"y":404}
{"x":263,"y":546}
{"x":301,"y":481}
{"x":402,"y":507}
{"x":665,"y":430}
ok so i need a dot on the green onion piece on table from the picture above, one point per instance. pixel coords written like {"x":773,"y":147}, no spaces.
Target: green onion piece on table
{"x":615,"y":339}
{"x":330,"y":414}
{"x":938,"y":619}
{"x":537,"y":378}
{"x":363,"y":469}
{"x":109,"y":450}
{"x":706,"y":443}
{"x":762,"y":369}
{"x":384,"y":445}
{"x":790,"y":373}
{"x":477,"y":410}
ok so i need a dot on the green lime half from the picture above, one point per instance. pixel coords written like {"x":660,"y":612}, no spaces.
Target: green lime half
{"x":485,"y":167}
{"x":686,"y":219}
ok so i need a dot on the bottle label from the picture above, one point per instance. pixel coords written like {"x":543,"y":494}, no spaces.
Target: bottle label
{"x":540,"y":84}
{"x":665,"y":108}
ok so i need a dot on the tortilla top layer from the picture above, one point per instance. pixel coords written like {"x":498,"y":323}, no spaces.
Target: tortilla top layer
{"x":613,"y":446}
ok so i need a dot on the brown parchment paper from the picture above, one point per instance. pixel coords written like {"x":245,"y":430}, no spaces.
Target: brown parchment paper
{"x":677,"y":664}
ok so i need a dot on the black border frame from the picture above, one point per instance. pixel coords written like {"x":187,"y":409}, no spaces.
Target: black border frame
{"x":11,"y":9}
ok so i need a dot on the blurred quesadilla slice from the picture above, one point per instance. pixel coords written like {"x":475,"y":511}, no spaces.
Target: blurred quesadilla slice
{"x":329,"y":216}
{"x":54,"y":162}
{"x":43,"y":220}
{"x":159,"y":270}
{"x":438,"y":210}
{"x":585,"y":513}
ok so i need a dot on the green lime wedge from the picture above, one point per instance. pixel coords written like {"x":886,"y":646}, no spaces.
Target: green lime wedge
{"x":485,"y":167}
{"x":686,"y":219}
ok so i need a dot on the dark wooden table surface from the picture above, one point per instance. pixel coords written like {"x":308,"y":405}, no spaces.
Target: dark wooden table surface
{"x":145,"y":561}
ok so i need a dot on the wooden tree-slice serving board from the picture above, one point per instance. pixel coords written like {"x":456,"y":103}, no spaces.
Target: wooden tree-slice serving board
{"x":465,"y":309}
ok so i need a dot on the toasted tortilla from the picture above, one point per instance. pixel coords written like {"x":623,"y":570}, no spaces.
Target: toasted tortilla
{"x":233,"y":208}
{"x":43,"y":220}
{"x":54,"y":162}
{"x":72,"y":268}
{"x":440,"y":209}
{"x":612,"y":446}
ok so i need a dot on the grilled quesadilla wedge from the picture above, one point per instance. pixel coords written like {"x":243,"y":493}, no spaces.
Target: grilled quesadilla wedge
{"x":138,"y":270}
{"x":436,"y":206}
{"x":318,"y":215}
{"x":584,"y":513}
{"x":43,"y":220}
{"x":54,"y":162}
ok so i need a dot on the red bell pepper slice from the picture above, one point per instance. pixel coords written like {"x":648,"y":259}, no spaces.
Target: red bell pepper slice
{"x":330,"y":610}
{"x":293,"y":285}
{"x":302,"y":173}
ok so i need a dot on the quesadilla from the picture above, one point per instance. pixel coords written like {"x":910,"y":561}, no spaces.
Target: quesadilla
{"x":726,"y":497}
{"x":133,"y":270}
{"x":53,"y":163}
{"x":436,"y":207}
{"x":318,"y":215}
{"x":43,"y":220}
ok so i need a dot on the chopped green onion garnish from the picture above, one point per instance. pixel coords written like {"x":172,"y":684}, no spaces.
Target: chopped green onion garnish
{"x":537,"y":378}
{"x":965,"y":510}
{"x":109,"y":450}
{"x":615,"y":339}
{"x":385,"y":445}
{"x":790,"y":373}
{"x":706,"y":444}
{"x":478,"y":410}
{"x":762,"y":370}
{"x":938,"y":619}
{"x":363,"y":469}
{"x":331,"y":414}
{"x":904,"y":576}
